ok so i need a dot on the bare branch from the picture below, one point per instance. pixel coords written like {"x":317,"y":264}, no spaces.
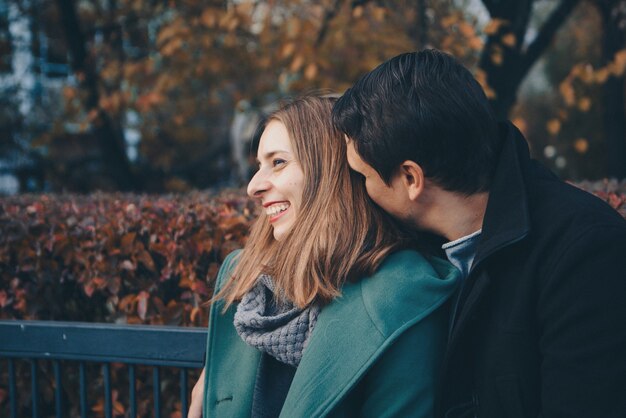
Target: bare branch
{"x":329,"y":15}
{"x":490,"y":5}
{"x":546,"y":34}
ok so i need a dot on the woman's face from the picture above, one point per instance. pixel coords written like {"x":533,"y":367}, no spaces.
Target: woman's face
{"x":280,"y":180}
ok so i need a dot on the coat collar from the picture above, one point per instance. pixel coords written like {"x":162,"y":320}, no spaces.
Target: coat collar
{"x":507,"y":219}
{"x":231,"y":368}
{"x":231,"y":364}
{"x":355,"y":329}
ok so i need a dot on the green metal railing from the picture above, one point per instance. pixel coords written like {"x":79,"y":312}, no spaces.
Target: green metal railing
{"x":66,"y":343}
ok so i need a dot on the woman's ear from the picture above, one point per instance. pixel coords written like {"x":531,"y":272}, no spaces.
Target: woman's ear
{"x":412,"y":177}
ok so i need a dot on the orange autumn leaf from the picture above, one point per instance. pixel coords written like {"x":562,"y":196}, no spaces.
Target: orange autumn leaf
{"x":379,"y":13}
{"x":497,"y":58}
{"x":297,"y":63}
{"x":509,"y":40}
{"x":581,"y":145}
{"x":601,"y":75}
{"x":209,"y":17}
{"x":466,"y":29}
{"x":288,"y":49}
{"x":567,"y":92}
{"x":126,"y":243}
{"x":449,"y":20}
{"x":553,"y":126}
{"x":144,"y":258}
{"x":618,"y":66}
{"x":69,"y":93}
{"x":584,"y":104}
{"x":476,"y":43}
{"x":171,"y":47}
{"x":494,"y":26}
{"x":98,"y":406}
{"x":310,"y":72}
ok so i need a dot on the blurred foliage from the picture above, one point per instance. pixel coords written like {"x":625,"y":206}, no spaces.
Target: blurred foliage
{"x":116,"y":258}
{"x":565,"y":123}
{"x":172,"y":75}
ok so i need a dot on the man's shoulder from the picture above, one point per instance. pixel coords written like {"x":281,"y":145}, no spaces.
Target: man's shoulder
{"x":571,"y":227}
{"x":555,"y":205}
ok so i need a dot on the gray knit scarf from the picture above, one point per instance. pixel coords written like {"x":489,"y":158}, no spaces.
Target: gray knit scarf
{"x":275,"y":327}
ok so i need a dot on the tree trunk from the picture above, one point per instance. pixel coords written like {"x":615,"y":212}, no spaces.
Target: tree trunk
{"x":419,"y":31}
{"x":110,"y":138}
{"x":503,"y":59}
{"x":614,"y":91}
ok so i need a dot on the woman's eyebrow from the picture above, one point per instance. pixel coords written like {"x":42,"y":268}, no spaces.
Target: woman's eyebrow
{"x":270,"y":154}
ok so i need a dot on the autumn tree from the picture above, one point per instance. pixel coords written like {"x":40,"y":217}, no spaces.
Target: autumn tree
{"x":505,"y":58}
{"x":155,"y":85}
{"x":589,"y":68}
{"x":109,"y":137}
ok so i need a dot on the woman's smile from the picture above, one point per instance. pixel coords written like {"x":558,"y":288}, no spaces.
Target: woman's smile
{"x":275,"y":210}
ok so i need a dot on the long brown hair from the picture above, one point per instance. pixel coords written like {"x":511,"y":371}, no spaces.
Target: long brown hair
{"x":338,"y":235}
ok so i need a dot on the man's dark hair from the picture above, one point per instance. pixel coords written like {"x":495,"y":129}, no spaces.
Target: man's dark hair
{"x":425,"y":107}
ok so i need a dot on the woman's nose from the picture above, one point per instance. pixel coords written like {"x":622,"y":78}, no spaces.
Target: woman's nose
{"x":258,"y":185}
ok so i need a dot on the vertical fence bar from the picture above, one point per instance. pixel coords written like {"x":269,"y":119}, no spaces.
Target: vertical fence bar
{"x":183,"y":391}
{"x":106,"y":371}
{"x":12,"y":391}
{"x":156,"y":383}
{"x":56,"y":364}
{"x":34,"y":384}
{"x":133,"y":392}
{"x":83,"y":389}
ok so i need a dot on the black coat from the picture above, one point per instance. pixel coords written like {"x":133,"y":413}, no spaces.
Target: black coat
{"x":541,"y":331}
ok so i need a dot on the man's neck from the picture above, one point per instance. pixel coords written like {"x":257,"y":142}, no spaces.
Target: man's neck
{"x":453,"y":215}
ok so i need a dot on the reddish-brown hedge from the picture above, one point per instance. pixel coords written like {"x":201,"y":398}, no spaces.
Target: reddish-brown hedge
{"x":129,"y":258}
{"x":611,"y":191}
{"x":116,"y":257}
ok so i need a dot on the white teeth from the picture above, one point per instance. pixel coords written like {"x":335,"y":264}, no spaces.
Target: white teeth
{"x":276,"y":209}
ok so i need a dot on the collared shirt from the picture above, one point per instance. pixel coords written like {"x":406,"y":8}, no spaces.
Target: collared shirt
{"x":461,"y":253}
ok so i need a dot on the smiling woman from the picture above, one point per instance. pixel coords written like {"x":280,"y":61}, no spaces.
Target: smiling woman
{"x":281,"y":342}
{"x":318,"y":229}
{"x":280,"y":180}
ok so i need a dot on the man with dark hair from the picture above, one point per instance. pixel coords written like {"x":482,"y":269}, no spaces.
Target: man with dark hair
{"x":538,"y":327}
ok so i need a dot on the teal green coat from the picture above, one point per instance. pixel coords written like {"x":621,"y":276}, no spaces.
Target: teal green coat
{"x":374,"y":352}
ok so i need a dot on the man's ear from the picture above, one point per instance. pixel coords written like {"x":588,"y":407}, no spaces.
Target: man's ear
{"x":412,"y":177}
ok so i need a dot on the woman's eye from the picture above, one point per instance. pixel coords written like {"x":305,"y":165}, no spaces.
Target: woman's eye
{"x":278,"y":162}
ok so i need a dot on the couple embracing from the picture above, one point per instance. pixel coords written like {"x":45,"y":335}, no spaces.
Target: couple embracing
{"x":412,"y":260}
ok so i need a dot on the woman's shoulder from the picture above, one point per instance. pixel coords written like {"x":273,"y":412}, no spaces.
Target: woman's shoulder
{"x":416,"y":265}
{"x":406,"y":288}
{"x":227,"y":267}
{"x":231,"y":259}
